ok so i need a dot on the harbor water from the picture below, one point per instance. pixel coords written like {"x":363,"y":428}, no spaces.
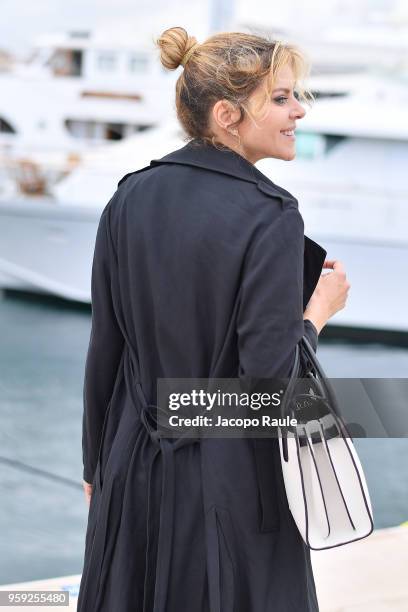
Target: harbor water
{"x":43,"y":511}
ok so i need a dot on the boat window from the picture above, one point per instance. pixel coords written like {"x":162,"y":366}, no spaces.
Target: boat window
{"x":6,"y":127}
{"x":332,"y":141}
{"x":114,"y":131}
{"x":320,"y":95}
{"x":82,"y":34}
{"x":138,"y":62}
{"x":107,"y":61}
{"x":99,"y":130}
{"x":311,"y":145}
{"x":66,"y":62}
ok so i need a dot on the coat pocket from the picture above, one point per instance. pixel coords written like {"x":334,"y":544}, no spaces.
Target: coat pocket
{"x":220,"y":566}
{"x":267,"y":484}
{"x":99,"y":470}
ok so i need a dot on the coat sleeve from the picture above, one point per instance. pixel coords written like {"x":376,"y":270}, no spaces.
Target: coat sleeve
{"x":270,"y":317}
{"x":311,"y":333}
{"x":104,"y":351}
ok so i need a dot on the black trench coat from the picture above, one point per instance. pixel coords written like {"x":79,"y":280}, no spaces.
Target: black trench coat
{"x":201,"y":269}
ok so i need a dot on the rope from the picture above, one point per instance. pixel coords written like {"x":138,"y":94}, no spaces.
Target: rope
{"x":24,"y":467}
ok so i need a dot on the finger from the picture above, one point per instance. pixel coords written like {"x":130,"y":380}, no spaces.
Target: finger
{"x":339,"y":267}
{"x":329,"y":263}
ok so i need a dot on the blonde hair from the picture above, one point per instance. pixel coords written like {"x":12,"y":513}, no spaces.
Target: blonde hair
{"x":229,"y":66}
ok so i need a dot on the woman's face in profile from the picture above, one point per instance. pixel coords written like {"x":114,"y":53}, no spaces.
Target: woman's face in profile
{"x":271,"y":136}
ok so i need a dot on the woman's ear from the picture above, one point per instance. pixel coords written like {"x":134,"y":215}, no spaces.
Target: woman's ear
{"x":225,"y":113}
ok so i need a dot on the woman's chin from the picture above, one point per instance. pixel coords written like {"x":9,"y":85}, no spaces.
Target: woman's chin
{"x":289,"y":155}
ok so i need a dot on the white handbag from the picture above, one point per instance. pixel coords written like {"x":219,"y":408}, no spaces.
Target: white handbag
{"x":325,"y":484}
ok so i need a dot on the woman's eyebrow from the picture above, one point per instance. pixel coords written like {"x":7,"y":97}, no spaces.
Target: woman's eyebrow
{"x":281,"y":89}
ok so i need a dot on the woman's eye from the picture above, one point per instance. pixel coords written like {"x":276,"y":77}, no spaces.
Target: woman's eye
{"x":280,"y":100}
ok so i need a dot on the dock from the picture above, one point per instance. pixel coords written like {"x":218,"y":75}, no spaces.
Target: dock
{"x":365,"y":576}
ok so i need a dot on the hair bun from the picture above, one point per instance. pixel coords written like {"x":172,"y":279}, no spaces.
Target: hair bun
{"x":174,"y":43}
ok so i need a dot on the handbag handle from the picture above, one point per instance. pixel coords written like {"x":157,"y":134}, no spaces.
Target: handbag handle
{"x":319,"y":378}
{"x":322,"y":381}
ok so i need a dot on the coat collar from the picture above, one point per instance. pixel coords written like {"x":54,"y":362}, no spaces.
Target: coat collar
{"x":228,"y":162}
{"x":204,"y":155}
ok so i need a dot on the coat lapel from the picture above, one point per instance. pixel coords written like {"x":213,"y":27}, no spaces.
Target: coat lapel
{"x":314,"y":257}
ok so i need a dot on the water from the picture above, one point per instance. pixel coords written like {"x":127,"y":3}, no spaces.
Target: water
{"x":42,"y":357}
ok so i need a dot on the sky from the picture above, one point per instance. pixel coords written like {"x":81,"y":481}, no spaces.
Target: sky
{"x":23,"y":21}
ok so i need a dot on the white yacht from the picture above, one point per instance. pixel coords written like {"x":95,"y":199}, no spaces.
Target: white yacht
{"x":349,"y":177}
{"x":47,"y":242}
{"x":351,"y":182}
{"x":80,"y":89}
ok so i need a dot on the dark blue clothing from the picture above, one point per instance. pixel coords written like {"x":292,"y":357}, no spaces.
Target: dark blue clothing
{"x":201,"y":269}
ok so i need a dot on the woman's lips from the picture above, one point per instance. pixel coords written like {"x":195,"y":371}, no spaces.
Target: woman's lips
{"x":289,"y":134}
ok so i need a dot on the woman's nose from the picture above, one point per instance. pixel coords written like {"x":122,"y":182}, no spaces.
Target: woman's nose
{"x":298,"y":111}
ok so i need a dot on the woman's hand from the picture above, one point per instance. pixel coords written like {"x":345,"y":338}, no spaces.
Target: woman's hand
{"x":329,"y":296}
{"x":88,"y":491}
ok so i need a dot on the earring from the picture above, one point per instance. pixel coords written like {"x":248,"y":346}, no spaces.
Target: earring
{"x":234,"y":132}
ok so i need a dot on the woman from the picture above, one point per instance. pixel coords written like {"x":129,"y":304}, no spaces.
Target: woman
{"x":201,"y":269}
